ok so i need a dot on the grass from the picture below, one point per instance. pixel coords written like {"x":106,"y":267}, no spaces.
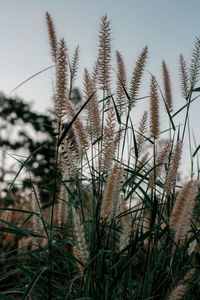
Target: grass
{"x":120,"y":225}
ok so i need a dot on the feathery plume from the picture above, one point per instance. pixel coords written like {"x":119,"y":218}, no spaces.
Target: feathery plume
{"x":110,"y":201}
{"x":74,"y":66}
{"x":167,"y":87}
{"x":69,"y":159}
{"x":93,"y":106}
{"x":52,"y":36}
{"x":80,"y":250}
{"x":137,"y":76}
{"x":126,"y":224}
{"x":95,"y":74}
{"x":61,"y":80}
{"x":195,"y":64}
{"x":179,"y":291}
{"x":183,"y":209}
{"x":121,"y":83}
{"x":161,"y":158}
{"x":154,"y":109}
{"x":63,"y":202}
{"x":184,"y":77}
{"x":109,"y":142}
{"x":140,"y":139}
{"x":35,"y":201}
{"x":104,"y":55}
{"x":79,"y":130}
{"x":173,"y":168}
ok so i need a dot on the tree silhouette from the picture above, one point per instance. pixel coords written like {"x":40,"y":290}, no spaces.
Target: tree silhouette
{"x":26,"y":137}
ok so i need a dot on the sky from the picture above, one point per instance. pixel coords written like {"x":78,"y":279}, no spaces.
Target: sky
{"x":168,"y":28}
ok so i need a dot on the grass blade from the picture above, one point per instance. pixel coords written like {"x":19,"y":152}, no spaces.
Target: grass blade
{"x":33,"y":283}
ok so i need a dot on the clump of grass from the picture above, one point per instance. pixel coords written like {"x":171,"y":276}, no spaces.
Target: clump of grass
{"x":117,"y":226}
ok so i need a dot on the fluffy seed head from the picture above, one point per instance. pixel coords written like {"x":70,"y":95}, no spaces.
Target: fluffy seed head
{"x":141,"y":131}
{"x":121,"y":83}
{"x":109,"y":142}
{"x":173,"y":168}
{"x":52,"y":36}
{"x":63,"y":201}
{"x":154,"y":109}
{"x":74,"y":65}
{"x":81,"y":248}
{"x":167,"y":86}
{"x":92,"y":107}
{"x":184,"y":77}
{"x":111,"y":194}
{"x":61,"y":80}
{"x":35,"y":201}
{"x":104,"y":55}
{"x":137,"y":76}
{"x":183,"y":209}
{"x":178,"y":292}
{"x":195,"y":64}
{"x":79,"y":130}
{"x":126,"y":224}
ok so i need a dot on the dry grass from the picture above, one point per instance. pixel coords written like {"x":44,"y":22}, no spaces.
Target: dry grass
{"x":113,"y":227}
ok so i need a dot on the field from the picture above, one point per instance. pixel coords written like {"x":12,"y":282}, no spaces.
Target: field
{"x":120,"y":222}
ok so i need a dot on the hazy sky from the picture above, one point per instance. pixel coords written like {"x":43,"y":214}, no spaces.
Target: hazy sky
{"x":168,"y":27}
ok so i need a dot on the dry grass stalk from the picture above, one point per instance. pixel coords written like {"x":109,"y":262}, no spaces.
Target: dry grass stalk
{"x":184,"y":77}
{"x":161,"y":158}
{"x":173,"y":168}
{"x":141,"y":131}
{"x":104,"y":55}
{"x":183,"y":209}
{"x":52,"y":36}
{"x":137,"y":76}
{"x":92,"y":107}
{"x":167,"y":87}
{"x":179,"y":291}
{"x":110,"y":139}
{"x":121,"y":84}
{"x":154,"y":109}
{"x":110,"y":201}
{"x":80,"y":250}
{"x":61,"y":81}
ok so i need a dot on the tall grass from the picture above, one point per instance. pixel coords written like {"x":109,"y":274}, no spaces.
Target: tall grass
{"x":119,"y":225}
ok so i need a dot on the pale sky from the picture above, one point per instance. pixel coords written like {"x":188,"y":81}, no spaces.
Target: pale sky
{"x":168,"y":27}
